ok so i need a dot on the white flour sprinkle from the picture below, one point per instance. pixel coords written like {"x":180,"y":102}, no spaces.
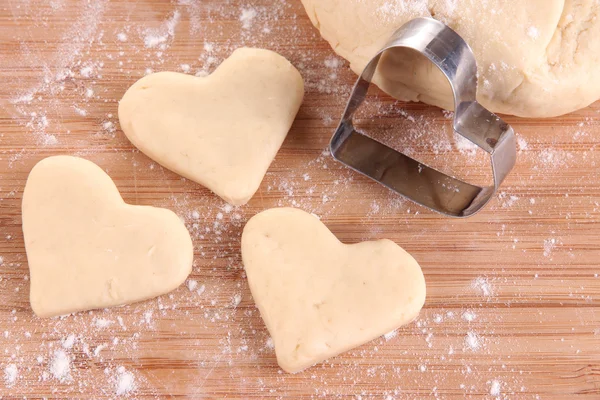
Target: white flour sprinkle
{"x":122,"y":37}
{"x":109,"y":126}
{"x":1,"y":260}
{"x":333,"y":62}
{"x":103,"y":323}
{"x":247,"y":17}
{"x":192,"y":285}
{"x":125,"y":382}
{"x":237,"y":299}
{"x":148,"y":317}
{"x":533,"y":32}
{"x":522,"y":143}
{"x":209,"y":47}
{"x":472,"y":341}
{"x":11,"y":373}
{"x":549,"y":245}
{"x":80,"y":111}
{"x":60,"y":367}
{"x":270,"y":344}
{"x":390,"y":335}
{"x":465,"y":146}
{"x":155,"y":37}
{"x":469,"y":316}
{"x":69,"y":341}
{"x":86,"y":71}
{"x":495,"y":388}
{"x":49,"y":140}
{"x":482,"y":285}
{"x":98,"y":349}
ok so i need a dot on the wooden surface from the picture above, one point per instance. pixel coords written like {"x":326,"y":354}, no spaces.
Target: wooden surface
{"x":513,"y":305}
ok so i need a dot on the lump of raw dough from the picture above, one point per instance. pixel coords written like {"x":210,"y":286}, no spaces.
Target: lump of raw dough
{"x":87,"y":248}
{"x":320,"y":297}
{"x":222,"y":131}
{"x":536,"y":58}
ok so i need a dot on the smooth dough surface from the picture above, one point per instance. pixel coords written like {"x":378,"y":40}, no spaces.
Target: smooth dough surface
{"x":319,"y":297}
{"x":536,"y":58}
{"x":88,"y":249}
{"x":222,"y":131}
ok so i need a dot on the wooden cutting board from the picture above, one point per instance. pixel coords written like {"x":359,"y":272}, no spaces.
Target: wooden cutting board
{"x":513,"y":306}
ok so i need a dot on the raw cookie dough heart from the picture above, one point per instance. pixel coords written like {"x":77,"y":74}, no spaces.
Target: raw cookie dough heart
{"x":87,"y":248}
{"x":320,"y":297}
{"x":222,"y":131}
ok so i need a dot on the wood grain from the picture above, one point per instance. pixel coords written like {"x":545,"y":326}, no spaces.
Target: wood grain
{"x":513,"y":293}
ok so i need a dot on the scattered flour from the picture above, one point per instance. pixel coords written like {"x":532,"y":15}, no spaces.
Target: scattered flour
{"x":533,"y":32}
{"x":483,"y":285}
{"x":192,"y":285}
{"x":390,"y":335}
{"x":80,"y":111}
{"x":69,"y":341}
{"x":549,"y":245}
{"x":11,"y":373}
{"x":125,"y":382}
{"x":159,"y":37}
{"x":333,"y":62}
{"x":472,"y":341}
{"x":102,"y":323}
{"x":465,"y":146}
{"x":270,"y":344}
{"x":237,"y":299}
{"x":469,"y":316}
{"x":87,"y":71}
{"x":60,"y":366}
{"x":495,"y":388}
{"x":247,"y":17}
{"x":522,"y":144}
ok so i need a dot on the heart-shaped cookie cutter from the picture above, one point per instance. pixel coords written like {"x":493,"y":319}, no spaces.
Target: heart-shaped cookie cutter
{"x":406,"y":176}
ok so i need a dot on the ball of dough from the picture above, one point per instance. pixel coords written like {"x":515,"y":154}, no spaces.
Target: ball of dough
{"x":536,"y":58}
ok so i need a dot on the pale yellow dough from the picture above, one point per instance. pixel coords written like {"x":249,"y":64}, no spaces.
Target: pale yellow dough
{"x":88,"y":249}
{"x":222,"y":131}
{"x":536,"y":58}
{"x":320,"y":297}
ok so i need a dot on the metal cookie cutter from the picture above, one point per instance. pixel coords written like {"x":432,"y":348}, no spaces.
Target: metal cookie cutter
{"x":406,"y":176}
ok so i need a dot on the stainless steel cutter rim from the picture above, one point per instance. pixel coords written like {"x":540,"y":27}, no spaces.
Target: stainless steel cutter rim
{"x":404,"y":175}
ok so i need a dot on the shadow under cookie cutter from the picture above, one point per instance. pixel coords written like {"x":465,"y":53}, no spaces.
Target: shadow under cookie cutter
{"x":406,"y":176}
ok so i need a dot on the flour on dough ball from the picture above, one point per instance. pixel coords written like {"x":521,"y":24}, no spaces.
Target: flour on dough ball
{"x":536,"y":58}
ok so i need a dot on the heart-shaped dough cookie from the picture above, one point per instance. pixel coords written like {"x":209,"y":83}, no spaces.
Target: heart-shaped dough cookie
{"x":222,"y":131}
{"x":320,"y":297}
{"x":87,"y":248}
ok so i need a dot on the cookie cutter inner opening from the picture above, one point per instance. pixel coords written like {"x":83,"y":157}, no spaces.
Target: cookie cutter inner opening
{"x":420,"y":131}
{"x":415,"y":180}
